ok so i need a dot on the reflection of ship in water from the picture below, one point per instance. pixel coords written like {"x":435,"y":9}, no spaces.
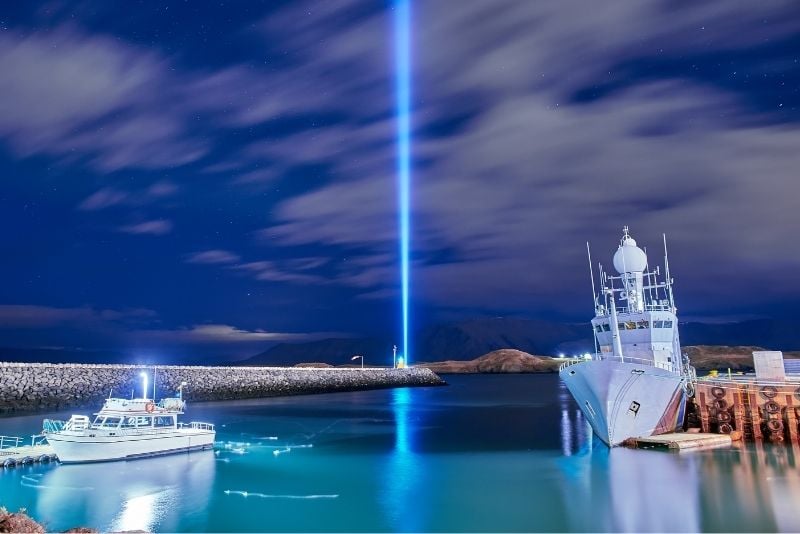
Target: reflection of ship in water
{"x":158,"y":494}
{"x":752,"y":487}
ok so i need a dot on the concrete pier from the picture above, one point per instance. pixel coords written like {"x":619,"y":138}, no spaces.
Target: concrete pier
{"x":39,"y":386}
{"x":26,"y":454}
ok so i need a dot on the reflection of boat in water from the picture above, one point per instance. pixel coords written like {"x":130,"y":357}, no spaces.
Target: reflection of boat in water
{"x":634,"y":385}
{"x":126,"y":429}
{"x":162,"y":494}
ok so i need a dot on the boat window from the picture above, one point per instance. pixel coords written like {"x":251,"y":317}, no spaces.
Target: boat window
{"x":667,"y":324}
{"x":598,"y":328}
{"x":658,"y":324}
{"x":606,"y":327}
{"x":630,"y":325}
{"x":643,"y":325}
{"x":110,"y":422}
{"x":163,"y":422}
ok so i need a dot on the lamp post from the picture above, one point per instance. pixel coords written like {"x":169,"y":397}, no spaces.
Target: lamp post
{"x":180,"y":390}
{"x":394,"y":357}
{"x":144,"y":384}
{"x":357,"y":357}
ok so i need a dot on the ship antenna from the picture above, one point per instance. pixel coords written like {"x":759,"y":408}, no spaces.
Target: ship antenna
{"x":666,"y":272}
{"x":591,"y":275}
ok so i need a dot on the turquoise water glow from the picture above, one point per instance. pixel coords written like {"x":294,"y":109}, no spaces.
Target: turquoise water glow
{"x":488,"y":453}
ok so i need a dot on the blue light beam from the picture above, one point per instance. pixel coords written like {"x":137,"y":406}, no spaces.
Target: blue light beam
{"x":402,"y":33}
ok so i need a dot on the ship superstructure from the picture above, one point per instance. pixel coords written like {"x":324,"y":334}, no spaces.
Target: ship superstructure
{"x":635,"y":383}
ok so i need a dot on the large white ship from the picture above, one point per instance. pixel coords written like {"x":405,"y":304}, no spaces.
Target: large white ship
{"x":125,"y":429}
{"x":636,"y":382}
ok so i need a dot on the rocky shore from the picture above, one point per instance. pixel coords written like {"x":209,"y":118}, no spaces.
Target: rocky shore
{"x":35,"y":386}
{"x":499,"y":361}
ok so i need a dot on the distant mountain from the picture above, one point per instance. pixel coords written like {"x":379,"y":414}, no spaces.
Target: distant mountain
{"x":467,"y":340}
{"x":335,"y":351}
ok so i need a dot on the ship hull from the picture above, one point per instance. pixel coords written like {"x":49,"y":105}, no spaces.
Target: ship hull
{"x":623,"y":400}
{"x":82,"y":448}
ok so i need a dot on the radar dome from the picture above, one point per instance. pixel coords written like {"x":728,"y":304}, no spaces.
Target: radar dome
{"x":630,"y":258}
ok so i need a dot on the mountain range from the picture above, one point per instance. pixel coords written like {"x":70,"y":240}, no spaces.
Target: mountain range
{"x":464,"y":340}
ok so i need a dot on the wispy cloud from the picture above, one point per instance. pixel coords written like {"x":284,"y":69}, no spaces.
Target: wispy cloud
{"x":154,"y":227}
{"x":33,"y":316}
{"x":224,"y":334}
{"x":213,"y":257}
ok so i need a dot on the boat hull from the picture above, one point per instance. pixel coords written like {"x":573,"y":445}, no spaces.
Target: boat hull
{"x":73,"y":448}
{"x":623,"y":400}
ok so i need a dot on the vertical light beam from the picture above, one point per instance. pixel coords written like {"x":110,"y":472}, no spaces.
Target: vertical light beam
{"x":402,"y":33}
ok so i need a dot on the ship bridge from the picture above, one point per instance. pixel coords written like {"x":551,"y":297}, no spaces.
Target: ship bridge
{"x":635,"y":315}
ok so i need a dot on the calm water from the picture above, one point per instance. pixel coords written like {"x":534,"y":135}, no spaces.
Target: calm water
{"x":487,"y":453}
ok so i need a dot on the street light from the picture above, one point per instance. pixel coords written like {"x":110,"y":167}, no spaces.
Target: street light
{"x":394,"y":356}
{"x":180,"y":390}
{"x":144,"y":384}
{"x":357,"y":357}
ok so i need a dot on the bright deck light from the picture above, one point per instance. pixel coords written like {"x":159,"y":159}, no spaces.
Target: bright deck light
{"x":144,"y":384}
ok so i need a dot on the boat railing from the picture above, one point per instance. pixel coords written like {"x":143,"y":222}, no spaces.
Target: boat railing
{"x":9,"y":442}
{"x":51,"y":426}
{"x":194,"y":425}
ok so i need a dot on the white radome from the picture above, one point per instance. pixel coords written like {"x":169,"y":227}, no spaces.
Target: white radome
{"x":630,"y":258}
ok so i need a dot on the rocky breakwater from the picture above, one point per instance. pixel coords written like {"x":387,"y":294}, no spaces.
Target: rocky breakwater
{"x":38,"y":386}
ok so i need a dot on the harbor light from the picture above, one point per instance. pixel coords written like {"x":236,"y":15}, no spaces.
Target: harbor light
{"x":560,"y":354}
{"x":144,"y":384}
{"x":180,"y":390}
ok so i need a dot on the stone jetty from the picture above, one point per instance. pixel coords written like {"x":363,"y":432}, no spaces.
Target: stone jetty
{"x":40,"y":386}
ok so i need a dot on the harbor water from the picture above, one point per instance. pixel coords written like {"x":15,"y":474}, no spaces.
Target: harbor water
{"x":487,"y":453}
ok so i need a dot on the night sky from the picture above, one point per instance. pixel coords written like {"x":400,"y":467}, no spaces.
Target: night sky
{"x":213,"y":177}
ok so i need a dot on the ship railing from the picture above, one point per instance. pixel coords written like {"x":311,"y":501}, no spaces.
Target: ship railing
{"x":623,"y":359}
{"x":569,"y":362}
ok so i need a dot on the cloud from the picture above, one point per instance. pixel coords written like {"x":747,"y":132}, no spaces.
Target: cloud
{"x":104,"y":198}
{"x":154,"y":227}
{"x":223,"y":334}
{"x":101,"y":99}
{"x":107,"y":197}
{"x":213,"y":257}
{"x":270,"y":271}
{"x":517,"y":164}
{"x":33,"y":316}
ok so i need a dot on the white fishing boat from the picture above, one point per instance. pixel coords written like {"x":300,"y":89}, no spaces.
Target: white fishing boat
{"x":126,"y":429}
{"x":635,"y":385}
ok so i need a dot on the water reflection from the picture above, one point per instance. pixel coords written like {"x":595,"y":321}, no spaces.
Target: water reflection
{"x":149,"y":495}
{"x":402,"y":470}
{"x":750,"y":487}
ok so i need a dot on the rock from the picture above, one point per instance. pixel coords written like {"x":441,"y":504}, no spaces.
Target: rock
{"x":499,"y":361}
{"x":18,"y":522}
{"x":78,"y":388}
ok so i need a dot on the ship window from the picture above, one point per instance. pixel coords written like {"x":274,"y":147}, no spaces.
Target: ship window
{"x":606,"y":327}
{"x":630,"y":325}
{"x":598,"y":328}
{"x":667,"y":324}
{"x":658,"y":324}
{"x":643,"y":324}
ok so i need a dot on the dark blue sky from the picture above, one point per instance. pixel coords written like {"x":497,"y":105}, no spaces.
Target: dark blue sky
{"x":213,"y":177}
